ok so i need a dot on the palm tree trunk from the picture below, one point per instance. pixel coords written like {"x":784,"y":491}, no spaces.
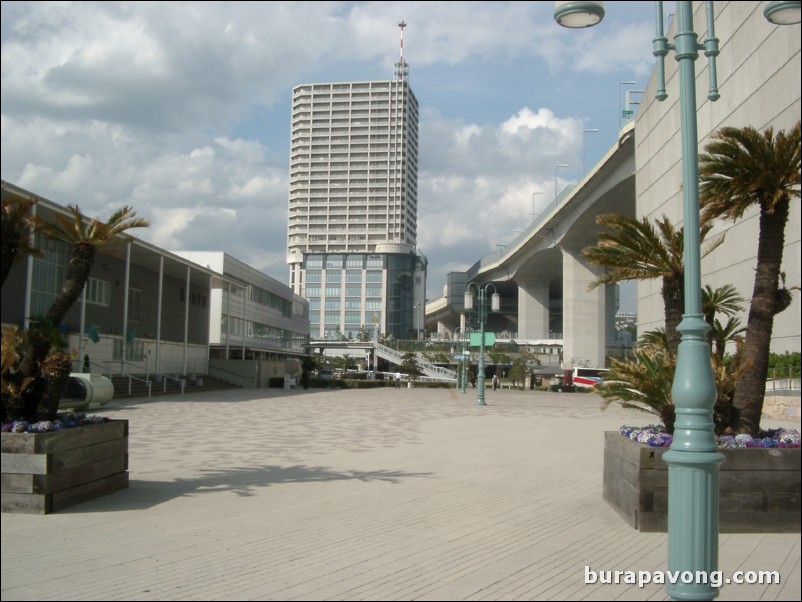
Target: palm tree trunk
{"x":751,"y":387}
{"x":81,"y":259}
{"x":673,"y":292}
{"x":39,"y":345}
{"x":9,"y":245}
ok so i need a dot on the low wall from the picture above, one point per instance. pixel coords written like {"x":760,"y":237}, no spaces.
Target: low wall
{"x":47,"y":472}
{"x":759,"y":489}
{"x":783,"y":407}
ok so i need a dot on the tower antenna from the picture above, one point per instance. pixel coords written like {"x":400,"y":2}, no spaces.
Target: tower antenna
{"x":401,"y":67}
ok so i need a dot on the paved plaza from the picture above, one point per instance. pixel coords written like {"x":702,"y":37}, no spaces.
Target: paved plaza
{"x":383,"y":494}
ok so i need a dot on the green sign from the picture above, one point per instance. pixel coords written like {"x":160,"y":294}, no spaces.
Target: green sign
{"x":476,"y":339}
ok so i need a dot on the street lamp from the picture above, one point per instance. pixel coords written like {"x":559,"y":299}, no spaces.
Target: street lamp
{"x":556,"y":167}
{"x":495,"y":305}
{"x":783,"y":13}
{"x":693,"y":460}
{"x":583,"y":147}
{"x":619,"y":89}
{"x":534,"y":195}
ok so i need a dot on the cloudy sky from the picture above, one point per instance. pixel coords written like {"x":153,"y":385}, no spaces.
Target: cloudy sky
{"x":182,"y":110}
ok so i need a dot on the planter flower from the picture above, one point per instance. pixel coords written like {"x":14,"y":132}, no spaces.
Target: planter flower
{"x":656,"y":436}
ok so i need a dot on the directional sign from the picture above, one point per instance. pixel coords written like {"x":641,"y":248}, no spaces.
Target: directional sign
{"x":476,"y":339}
{"x":459,"y":357}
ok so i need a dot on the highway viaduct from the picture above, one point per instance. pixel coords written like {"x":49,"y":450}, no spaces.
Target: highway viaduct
{"x":542,"y":276}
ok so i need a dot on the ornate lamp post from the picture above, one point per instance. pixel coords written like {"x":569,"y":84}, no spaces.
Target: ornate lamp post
{"x":693,"y":479}
{"x":495,"y":304}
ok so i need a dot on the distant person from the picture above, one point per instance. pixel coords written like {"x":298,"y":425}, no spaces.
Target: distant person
{"x":87,"y":365}
{"x":495,"y":382}
{"x":397,"y":380}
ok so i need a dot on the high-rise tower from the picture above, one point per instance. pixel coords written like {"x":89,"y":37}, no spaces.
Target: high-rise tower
{"x":353,"y":206}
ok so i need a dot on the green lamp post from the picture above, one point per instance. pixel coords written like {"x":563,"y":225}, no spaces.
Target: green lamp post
{"x":495,"y":304}
{"x":693,"y":460}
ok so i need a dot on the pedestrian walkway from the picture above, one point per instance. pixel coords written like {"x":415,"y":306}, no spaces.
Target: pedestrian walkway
{"x":383,"y":494}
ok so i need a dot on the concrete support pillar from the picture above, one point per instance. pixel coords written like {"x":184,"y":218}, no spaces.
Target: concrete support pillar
{"x":533,"y":309}
{"x":584,"y":316}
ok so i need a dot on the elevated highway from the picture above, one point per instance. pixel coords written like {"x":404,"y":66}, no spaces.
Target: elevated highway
{"x":542,"y":276}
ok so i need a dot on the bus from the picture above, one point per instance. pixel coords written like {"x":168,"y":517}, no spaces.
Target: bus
{"x":577,"y":378}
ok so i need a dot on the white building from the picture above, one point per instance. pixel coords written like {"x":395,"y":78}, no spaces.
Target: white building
{"x":251,"y":317}
{"x":149,"y":311}
{"x":352,"y":232}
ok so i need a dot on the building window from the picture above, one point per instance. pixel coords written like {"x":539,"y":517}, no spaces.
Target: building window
{"x":354,"y":261}
{"x":48,"y":275}
{"x":98,"y":292}
{"x":135,"y":304}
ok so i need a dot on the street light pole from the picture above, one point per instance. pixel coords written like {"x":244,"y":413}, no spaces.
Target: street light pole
{"x":534,"y":196}
{"x":693,"y":460}
{"x":583,"y":147}
{"x":694,"y":457}
{"x":619,"y":99}
{"x":481,"y":293}
{"x":556,"y":167}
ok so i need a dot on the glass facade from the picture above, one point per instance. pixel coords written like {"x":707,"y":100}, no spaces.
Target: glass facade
{"x":378,"y":295}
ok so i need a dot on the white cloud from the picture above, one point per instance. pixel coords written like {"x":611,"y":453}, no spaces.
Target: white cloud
{"x":181,"y":110}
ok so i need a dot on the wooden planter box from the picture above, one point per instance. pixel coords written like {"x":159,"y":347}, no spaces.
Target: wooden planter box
{"x":759,"y":489}
{"x":47,"y":472}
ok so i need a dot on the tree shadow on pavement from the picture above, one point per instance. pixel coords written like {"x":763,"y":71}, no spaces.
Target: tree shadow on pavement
{"x":142,"y":494}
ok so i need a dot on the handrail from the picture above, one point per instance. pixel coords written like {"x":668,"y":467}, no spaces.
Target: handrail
{"x":132,"y":378}
{"x":138,"y":368}
{"x":180,"y":381}
{"x":238,"y":376}
{"x":423,"y":363}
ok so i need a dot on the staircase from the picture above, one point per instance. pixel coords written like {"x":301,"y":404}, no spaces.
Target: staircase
{"x":137,"y":385}
{"x":429,"y":369}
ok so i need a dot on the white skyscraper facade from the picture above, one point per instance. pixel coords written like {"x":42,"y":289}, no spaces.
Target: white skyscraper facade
{"x":352,"y":231}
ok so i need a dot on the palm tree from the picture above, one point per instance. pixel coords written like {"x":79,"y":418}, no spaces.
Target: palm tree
{"x":742,"y":168}
{"x":635,"y":250}
{"x":645,"y":382}
{"x":18,"y":223}
{"x":50,"y":375}
{"x":723,"y":300}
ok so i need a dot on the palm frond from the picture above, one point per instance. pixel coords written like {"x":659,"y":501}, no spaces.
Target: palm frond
{"x":742,"y":167}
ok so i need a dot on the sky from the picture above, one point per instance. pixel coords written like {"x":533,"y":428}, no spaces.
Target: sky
{"x":181,"y":110}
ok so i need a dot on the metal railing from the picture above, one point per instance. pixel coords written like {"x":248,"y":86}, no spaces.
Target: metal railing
{"x":125,"y":368}
{"x":396,"y":357}
{"x":181,"y":382}
{"x":131,"y":378}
